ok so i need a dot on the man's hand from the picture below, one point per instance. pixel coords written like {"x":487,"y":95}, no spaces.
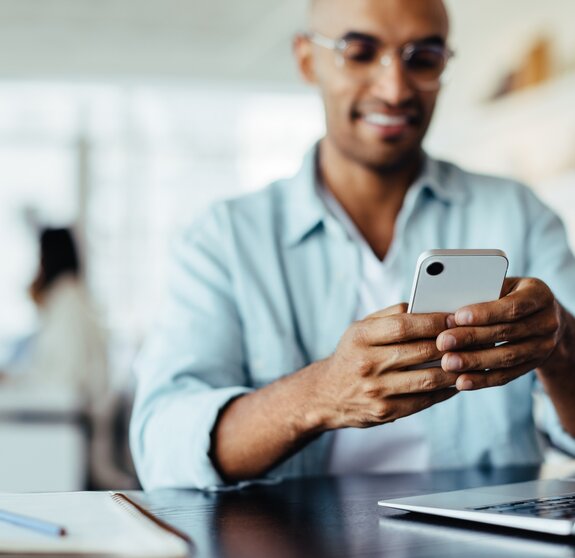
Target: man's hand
{"x":527,"y":318}
{"x":366,"y":381}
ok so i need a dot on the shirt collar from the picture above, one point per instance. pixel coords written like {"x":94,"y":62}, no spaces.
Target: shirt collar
{"x":305,"y":211}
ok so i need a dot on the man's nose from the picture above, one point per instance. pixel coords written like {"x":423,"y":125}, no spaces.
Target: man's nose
{"x":389,"y":81}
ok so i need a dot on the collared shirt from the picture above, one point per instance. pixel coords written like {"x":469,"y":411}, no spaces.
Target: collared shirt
{"x":267,"y":283}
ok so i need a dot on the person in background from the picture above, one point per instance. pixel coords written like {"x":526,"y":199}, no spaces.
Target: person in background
{"x":68,"y":352}
{"x":284,"y":347}
{"x":69,"y":348}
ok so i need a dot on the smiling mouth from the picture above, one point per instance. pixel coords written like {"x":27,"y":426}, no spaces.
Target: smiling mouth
{"x":386,"y":120}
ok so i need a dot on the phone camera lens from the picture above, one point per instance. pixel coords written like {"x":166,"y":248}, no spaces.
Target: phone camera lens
{"x":436,"y":268}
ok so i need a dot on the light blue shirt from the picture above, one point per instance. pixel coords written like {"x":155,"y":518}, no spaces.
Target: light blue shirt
{"x":267,"y":283}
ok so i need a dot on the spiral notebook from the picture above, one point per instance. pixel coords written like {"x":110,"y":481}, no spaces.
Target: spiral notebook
{"x":97,"y":523}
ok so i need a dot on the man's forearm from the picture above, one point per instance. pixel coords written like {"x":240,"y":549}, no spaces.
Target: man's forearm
{"x":362,"y":384}
{"x":257,"y":431}
{"x":558,"y":375}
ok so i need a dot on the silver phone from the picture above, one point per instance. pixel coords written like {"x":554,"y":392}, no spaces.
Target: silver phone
{"x":446,"y":280}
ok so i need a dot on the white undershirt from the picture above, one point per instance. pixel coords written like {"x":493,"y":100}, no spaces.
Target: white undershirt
{"x":401,"y":445}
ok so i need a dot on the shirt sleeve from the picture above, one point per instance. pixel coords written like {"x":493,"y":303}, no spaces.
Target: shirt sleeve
{"x":551,"y":260}
{"x":191,"y":365}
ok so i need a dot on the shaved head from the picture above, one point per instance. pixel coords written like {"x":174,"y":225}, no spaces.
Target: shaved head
{"x":314,"y":7}
{"x":320,"y":9}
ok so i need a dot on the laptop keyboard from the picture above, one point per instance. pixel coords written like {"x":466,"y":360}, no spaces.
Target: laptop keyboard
{"x":560,"y":507}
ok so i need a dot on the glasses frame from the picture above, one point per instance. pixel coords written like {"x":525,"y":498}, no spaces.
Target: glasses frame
{"x":339,"y":45}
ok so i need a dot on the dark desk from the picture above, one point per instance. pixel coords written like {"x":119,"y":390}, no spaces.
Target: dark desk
{"x":339,"y":517}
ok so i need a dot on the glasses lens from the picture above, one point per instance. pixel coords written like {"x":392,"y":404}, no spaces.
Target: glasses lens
{"x":425,"y":63}
{"x":358,"y":52}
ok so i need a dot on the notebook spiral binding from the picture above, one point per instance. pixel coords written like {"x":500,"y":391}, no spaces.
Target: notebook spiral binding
{"x":137,"y":511}
{"x":126,"y":505}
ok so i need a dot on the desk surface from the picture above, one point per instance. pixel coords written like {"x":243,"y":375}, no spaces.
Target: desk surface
{"x":338,"y":517}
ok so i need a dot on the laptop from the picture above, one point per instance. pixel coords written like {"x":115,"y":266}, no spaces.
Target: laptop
{"x":547,"y":506}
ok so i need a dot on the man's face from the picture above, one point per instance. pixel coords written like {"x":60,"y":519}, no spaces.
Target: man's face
{"x":377,"y":118}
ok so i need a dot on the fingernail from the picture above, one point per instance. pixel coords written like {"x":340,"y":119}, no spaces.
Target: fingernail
{"x":451,"y":321}
{"x":452,"y":362}
{"x":464,"y":318}
{"x":466,"y":385}
{"x":447,"y":342}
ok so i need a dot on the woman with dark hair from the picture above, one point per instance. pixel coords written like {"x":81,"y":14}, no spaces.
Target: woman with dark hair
{"x":69,"y":347}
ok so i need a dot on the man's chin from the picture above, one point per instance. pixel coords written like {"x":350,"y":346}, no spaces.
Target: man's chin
{"x":388,"y":160}
{"x":380,"y":156}
{"x":389,"y":152}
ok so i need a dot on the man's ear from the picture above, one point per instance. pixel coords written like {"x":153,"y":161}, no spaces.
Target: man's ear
{"x":303,"y":54}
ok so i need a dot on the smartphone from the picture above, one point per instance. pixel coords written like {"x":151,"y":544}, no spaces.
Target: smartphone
{"x":446,"y":280}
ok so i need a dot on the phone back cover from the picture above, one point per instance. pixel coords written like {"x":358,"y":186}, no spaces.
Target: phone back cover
{"x":465,"y":280}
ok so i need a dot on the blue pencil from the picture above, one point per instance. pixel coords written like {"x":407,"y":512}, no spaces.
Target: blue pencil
{"x":31,"y":523}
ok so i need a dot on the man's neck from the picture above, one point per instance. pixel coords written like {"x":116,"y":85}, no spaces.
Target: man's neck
{"x":371,"y":197}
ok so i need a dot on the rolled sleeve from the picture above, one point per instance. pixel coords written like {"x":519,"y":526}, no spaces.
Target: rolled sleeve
{"x":171,"y":446}
{"x":191,"y":365}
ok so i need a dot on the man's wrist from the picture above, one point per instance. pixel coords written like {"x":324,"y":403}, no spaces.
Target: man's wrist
{"x":311,"y":415}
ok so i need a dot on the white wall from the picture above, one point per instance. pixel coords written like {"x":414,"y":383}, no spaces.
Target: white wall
{"x":154,"y":39}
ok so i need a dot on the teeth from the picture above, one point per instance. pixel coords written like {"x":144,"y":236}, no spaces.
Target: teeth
{"x":385,"y":120}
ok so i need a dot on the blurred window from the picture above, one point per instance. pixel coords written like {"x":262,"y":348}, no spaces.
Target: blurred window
{"x":132,"y":165}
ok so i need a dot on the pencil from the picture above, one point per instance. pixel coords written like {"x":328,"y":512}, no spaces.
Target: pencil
{"x":32,"y":523}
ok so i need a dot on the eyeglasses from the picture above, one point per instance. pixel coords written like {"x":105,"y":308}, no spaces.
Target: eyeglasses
{"x":424,"y":63}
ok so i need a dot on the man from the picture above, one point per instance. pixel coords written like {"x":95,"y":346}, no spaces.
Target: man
{"x":275,"y":356}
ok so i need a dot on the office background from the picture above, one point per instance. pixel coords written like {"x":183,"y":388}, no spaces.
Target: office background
{"x":126,"y":118}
